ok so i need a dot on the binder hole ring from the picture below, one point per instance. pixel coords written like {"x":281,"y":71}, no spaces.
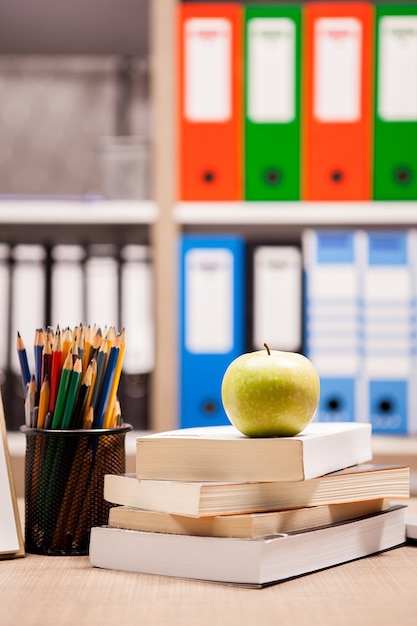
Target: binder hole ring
{"x":272,"y":177}
{"x":385,"y":406}
{"x":209,"y":407}
{"x":208,"y":176}
{"x":403,"y":175}
{"x":334,"y":404}
{"x":337,"y":176}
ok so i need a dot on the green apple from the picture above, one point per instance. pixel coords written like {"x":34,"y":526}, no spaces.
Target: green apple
{"x":269,"y":393}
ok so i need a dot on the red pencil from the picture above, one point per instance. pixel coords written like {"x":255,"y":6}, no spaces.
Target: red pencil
{"x":47,"y":358}
{"x":56,"y":369}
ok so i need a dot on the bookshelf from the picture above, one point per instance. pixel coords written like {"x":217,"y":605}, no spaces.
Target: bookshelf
{"x":72,"y":221}
{"x":296,"y":214}
{"x":56,"y":213}
{"x":160,"y":221}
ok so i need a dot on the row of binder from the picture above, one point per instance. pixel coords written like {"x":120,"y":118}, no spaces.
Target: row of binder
{"x":315,"y":101}
{"x":69,"y":285}
{"x":233,"y":296}
{"x":361,"y":325}
{"x":347,"y":299}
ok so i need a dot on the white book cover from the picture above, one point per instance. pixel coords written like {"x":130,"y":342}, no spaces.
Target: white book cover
{"x":254,"y":562}
{"x":223,"y":453}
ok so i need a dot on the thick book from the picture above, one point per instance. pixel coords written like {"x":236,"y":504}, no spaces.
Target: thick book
{"x":199,"y":499}
{"x":412,"y":528}
{"x":252,"y":562}
{"x":222,"y":453}
{"x":250,"y":525}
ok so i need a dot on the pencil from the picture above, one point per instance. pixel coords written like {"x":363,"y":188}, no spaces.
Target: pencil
{"x":86,"y":357}
{"x":97,"y":340}
{"x":101,"y":365}
{"x":73,"y":496}
{"x":62,"y":393}
{"x":89,"y":418}
{"x":56,"y":369}
{"x":46,"y":358}
{"x":31,"y":398}
{"x":82,"y":397}
{"x":23,"y":360}
{"x":117,"y":414}
{"x":108,"y":417}
{"x":81,"y":344}
{"x":107,"y":384}
{"x":93,"y":364}
{"x":71,"y":397}
{"x":38,"y":353}
{"x":43,"y":402}
{"x":67,"y":340}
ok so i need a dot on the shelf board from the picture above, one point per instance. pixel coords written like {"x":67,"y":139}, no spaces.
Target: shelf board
{"x":99,"y":212}
{"x":297,"y":213}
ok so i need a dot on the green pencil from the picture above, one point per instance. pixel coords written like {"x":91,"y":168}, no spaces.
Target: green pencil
{"x":62,"y":392}
{"x":73,"y":387}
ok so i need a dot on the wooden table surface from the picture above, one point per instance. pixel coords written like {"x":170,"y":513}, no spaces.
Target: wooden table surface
{"x":55,"y":591}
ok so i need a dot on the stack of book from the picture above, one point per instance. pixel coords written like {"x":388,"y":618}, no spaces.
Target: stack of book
{"x":212,"y":504}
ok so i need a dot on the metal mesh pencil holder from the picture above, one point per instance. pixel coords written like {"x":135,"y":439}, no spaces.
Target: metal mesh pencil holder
{"x":64,"y":479}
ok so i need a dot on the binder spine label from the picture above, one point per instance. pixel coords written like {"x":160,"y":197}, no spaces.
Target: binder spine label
{"x":209,"y":300}
{"x":397,"y":98}
{"x":277,"y":297}
{"x":337,"y":86}
{"x":208,"y":52}
{"x":271,"y":70}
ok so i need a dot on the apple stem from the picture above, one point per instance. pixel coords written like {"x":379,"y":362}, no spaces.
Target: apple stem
{"x":267,"y":348}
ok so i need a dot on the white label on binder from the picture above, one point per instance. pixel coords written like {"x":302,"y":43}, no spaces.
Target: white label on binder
{"x":208,"y":61}
{"x":277,"y":297}
{"x":67,"y":277}
{"x":271,"y":70}
{"x":101,"y":275}
{"x":67,"y":295}
{"x":209,"y":300}
{"x":138,"y":316}
{"x":397,"y":75}
{"x":28,"y":298}
{"x":337,"y":69}
{"x":375,"y":284}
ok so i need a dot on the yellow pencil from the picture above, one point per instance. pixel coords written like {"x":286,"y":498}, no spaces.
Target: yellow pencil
{"x":67,"y":340}
{"x":87,"y":338}
{"x":93,"y":365}
{"x":115,"y":384}
{"x":43,"y":402}
{"x":89,"y":419}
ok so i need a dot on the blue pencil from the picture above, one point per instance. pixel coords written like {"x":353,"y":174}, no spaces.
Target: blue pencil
{"x":38,"y":352}
{"x":106,"y":386}
{"x":23,"y":360}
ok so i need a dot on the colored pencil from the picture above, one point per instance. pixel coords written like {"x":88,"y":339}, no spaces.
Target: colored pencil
{"x":43,"y":402}
{"x":93,"y":365}
{"x":101,"y":366}
{"x":24,"y":364}
{"x":108,"y":417}
{"x":67,"y":340}
{"x":47,"y":358}
{"x":74,"y":383}
{"x":107,"y":384}
{"x":82,"y":397}
{"x":62,"y":393}
{"x":56,"y":369}
{"x":38,"y":354}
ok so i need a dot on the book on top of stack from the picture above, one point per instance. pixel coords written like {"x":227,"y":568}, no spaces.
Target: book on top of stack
{"x":212,"y":504}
